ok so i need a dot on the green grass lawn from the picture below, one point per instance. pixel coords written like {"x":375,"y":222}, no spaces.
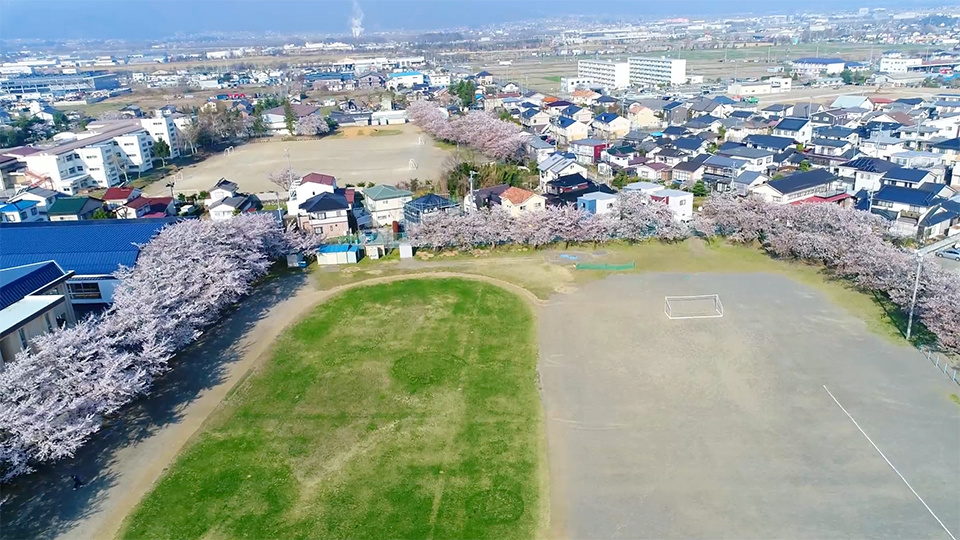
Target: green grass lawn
{"x":552,"y":78}
{"x":403,"y":410}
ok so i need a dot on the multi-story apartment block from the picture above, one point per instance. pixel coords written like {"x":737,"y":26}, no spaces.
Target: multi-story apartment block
{"x":614,"y":75}
{"x":163,"y":128}
{"x":652,"y":71}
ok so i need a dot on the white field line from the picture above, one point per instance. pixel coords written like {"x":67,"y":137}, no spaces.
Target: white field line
{"x":890,"y":464}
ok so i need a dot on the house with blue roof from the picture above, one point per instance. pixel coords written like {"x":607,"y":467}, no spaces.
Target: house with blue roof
{"x":907,"y":177}
{"x":93,"y":250}
{"x":864,"y":172}
{"x":798,"y":129}
{"x":404,"y":79}
{"x":23,"y":211}
{"x":799,"y":186}
{"x":908,"y":207}
{"x":33,"y":301}
{"x":422,"y":208}
{"x":769,"y":142}
{"x":577,"y":113}
{"x":610,"y":125}
{"x":566,"y":130}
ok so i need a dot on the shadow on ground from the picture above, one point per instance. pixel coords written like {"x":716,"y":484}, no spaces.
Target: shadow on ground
{"x":44,"y":505}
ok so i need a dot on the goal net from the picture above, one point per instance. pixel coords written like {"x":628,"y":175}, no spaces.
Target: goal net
{"x":704,"y":306}
{"x":228,"y":151}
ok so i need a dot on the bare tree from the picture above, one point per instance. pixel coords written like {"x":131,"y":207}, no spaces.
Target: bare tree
{"x":284,"y":178}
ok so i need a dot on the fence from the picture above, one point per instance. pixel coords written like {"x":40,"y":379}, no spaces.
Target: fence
{"x":942,"y":364}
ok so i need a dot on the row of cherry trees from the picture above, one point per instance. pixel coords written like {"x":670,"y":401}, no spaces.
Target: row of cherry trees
{"x":53,"y":398}
{"x":481,"y":130}
{"x":633,"y":218}
{"x":853,"y":244}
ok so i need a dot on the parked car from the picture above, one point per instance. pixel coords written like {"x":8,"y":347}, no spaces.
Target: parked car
{"x":951,"y":253}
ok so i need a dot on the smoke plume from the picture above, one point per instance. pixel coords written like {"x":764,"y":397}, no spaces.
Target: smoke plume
{"x":356,"y":20}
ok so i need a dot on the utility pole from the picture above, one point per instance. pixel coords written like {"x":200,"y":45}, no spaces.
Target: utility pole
{"x":913,"y":300}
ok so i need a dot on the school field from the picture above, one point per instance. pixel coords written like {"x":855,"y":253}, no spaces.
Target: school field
{"x":378,"y":154}
{"x":388,"y":412}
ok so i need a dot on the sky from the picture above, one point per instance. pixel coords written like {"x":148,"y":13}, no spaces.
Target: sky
{"x":155,"y":19}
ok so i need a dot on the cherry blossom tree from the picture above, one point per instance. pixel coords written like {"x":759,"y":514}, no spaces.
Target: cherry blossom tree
{"x":58,"y":393}
{"x":478,"y":129}
{"x":313,"y":124}
{"x":284,"y":178}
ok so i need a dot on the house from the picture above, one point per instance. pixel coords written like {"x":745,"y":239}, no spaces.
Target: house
{"x":369,"y":80}
{"x":539,"y":149}
{"x":769,"y":142}
{"x":588,"y":151}
{"x":814,"y":67}
{"x":642,"y":187}
{"x":882,"y":146}
{"x":675,"y":132}
{"x":422,"y":208}
{"x":577,"y":113}
{"x":756,"y":159}
{"x":688,"y":172}
{"x":567,"y":189}
{"x":534,"y":118}
{"x":42,"y":196}
{"x":518,"y":201}
{"x":483,"y":78}
{"x":598,"y":202}
{"x":703,"y":123}
{"x":74,"y":208}
{"x":746,"y":181}
{"x":231,"y":206}
{"x":679,"y":202}
{"x":275,"y":118}
{"x":654,"y":171}
{"x":831,"y":117}
{"x":837,"y":133}
{"x":906,"y":177}
{"x":798,"y":186}
{"x":326,"y":214}
{"x":611,"y":125}
{"x":149,"y":207}
{"x":670,"y":156}
{"x":691,"y":145}
{"x":93,"y":250}
{"x":907,"y":207}
{"x":119,"y":196}
{"x":776,"y":111}
{"x":33,"y":301}
{"x":223,"y":189}
{"x":852,"y":102}
{"x":917,"y":160}
{"x":864,"y":173}
{"x":310,"y":185}
{"x":404,"y":80}
{"x":722,"y":168}
{"x":556,"y":166}
{"x":798,"y":129}
{"x":20,"y":212}
{"x":566,"y":130}
{"x":642,"y":116}
{"x":385,"y":204}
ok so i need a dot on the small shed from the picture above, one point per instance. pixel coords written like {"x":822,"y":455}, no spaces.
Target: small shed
{"x":338,"y":254}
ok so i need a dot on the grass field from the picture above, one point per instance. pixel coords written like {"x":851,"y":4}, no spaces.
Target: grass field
{"x":405,"y":410}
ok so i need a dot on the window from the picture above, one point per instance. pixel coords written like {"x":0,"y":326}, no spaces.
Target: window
{"x":33,"y":211}
{"x":683,"y":202}
{"x":70,"y":157}
{"x":84,"y":291}
{"x":46,"y":317}
{"x":23,"y":338}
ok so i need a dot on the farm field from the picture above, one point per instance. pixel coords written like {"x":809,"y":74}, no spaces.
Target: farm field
{"x":738,"y":426}
{"x":371,"y":154}
{"x":403,"y":419}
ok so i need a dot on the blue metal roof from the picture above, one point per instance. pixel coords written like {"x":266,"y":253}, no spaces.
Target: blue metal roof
{"x":16,"y":206}
{"x":869,"y":164}
{"x":905,"y":195}
{"x":15,"y":283}
{"x":607,"y":117}
{"x":565,"y":122}
{"x":906,"y":174}
{"x":689,"y":143}
{"x":792,"y":124}
{"x":769,"y":141}
{"x":92,"y":247}
{"x":802,"y":180}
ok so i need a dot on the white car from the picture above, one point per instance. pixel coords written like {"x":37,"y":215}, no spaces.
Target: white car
{"x":952,"y":253}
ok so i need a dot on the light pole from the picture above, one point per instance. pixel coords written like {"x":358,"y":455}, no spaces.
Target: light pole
{"x":913,"y":300}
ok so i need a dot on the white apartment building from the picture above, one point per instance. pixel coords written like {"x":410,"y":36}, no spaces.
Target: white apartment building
{"x":163,"y":128}
{"x":96,"y":158}
{"x":607,"y":73}
{"x":569,"y":84}
{"x":652,"y":71}
{"x":897,"y":64}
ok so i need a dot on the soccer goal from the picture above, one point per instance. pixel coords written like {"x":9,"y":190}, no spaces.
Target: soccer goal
{"x":228,"y":151}
{"x":412,"y":164}
{"x":178,"y":177}
{"x":420,"y":141}
{"x":704,"y":306}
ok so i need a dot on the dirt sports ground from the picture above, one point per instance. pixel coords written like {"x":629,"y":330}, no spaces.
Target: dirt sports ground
{"x":724,"y":427}
{"x":379,"y":154}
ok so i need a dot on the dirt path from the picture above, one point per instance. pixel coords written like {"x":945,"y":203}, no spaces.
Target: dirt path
{"x":122,"y":463}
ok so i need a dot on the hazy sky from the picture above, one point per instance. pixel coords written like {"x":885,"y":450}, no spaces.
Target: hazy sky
{"x":152,"y":19}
